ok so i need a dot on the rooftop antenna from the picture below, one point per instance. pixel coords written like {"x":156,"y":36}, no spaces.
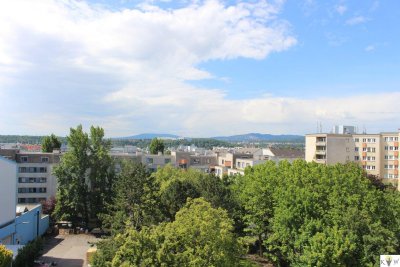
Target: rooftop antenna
{"x":320,"y":127}
{"x":364,"y":129}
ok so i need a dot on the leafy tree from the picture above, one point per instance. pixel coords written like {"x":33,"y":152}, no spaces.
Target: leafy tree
{"x":84,"y":175}
{"x":5,"y":256}
{"x":315,"y":215}
{"x":176,"y":185}
{"x":50,"y":143}
{"x":156,"y":145}
{"x":26,"y":255}
{"x":49,"y":205}
{"x":101,"y":175}
{"x":200,"y":236}
{"x":135,"y":201}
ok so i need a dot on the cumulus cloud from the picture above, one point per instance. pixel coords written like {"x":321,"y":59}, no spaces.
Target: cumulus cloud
{"x":68,"y":62}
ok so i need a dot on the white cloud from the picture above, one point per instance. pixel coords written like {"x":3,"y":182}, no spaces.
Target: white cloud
{"x":341,"y":9}
{"x":63,"y":63}
{"x":356,"y":20}
{"x":369,"y":48}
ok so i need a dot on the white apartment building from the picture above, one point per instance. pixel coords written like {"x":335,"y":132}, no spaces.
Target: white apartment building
{"x":378,"y":154}
{"x":8,"y":174}
{"x":235,"y":161}
{"x":35,"y":179}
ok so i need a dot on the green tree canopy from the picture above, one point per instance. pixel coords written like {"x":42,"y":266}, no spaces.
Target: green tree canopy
{"x":200,"y":236}
{"x":308,"y":214}
{"x":50,"y":143}
{"x":157,"y":145}
{"x":135,"y":201}
{"x":85,"y":176}
{"x":5,"y":256}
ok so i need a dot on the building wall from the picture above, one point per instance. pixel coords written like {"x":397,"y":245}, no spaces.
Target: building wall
{"x":153,"y":162}
{"x":30,"y":225}
{"x":8,"y":176}
{"x":377,"y":154}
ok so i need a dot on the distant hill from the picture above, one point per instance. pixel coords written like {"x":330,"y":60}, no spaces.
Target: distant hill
{"x":253,"y":137}
{"x":149,"y":136}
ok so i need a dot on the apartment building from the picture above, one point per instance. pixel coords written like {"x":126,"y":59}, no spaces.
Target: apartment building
{"x":235,"y":161}
{"x":8,"y":174}
{"x":203,"y":162}
{"x":155,"y":161}
{"x":378,"y":153}
{"x":35,"y":181}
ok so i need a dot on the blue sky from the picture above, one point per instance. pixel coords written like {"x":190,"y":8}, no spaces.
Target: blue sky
{"x":199,"y":68}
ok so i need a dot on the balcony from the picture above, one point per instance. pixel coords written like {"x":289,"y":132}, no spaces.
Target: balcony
{"x":320,"y":143}
{"x":320,"y":152}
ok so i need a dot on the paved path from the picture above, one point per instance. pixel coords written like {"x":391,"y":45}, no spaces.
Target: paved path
{"x":67,"y":250}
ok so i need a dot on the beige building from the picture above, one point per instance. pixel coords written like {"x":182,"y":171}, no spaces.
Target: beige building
{"x":378,"y":154}
{"x":35,"y":179}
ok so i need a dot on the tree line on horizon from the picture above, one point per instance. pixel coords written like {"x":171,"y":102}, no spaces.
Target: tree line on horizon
{"x":293,"y":214}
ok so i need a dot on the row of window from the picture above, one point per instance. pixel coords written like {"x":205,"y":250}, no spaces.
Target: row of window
{"x":391,"y":176}
{"x":369,"y":167}
{"x":151,"y":161}
{"x":391,"y":157}
{"x":392,"y":148}
{"x":43,"y":159}
{"x":369,"y":149}
{"x":31,"y":199}
{"x":242,"y":164}
{"x":369,"y":158}
{"x":32,"y":190}
{"x":391,"y":167}
{"x":32,"y":169}
{"x":32,"y":180}
{"x":373,"y":140}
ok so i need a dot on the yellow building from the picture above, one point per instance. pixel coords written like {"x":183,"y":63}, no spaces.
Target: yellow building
{"x":378,"y":154}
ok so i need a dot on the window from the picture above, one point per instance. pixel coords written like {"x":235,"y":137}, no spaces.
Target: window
{"x":364,"y":140}
{"x":356,"y":140}
{"x":166,"y":161}
{"x":369,"y":158}
{"x":356,"y":158}
{"x":196,"y":161}
{"x":347,"y":149}
{"x":356,"y":149}
{"x":24,"y":158}
{"x":32,"y":180}
{"x":45,"y":159}
{"x":149,"y":160}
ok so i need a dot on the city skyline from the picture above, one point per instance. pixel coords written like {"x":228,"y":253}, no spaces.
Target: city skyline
{"x":198,"y":68}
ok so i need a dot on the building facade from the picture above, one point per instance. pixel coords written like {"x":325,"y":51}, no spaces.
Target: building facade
{"x":35,"y":179}
{"x":378,"y":154}
{"x":8,"y":174}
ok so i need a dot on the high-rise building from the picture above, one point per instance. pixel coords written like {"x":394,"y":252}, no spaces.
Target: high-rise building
{"x":378,"y":154}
